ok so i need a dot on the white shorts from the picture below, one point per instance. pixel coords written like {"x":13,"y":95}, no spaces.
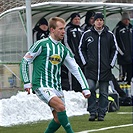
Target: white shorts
{"x":45,"y":94}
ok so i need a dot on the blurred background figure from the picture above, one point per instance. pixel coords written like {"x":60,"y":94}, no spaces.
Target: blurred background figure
{"x":71,"y":40}
{"x":123,"y":33}
{"x":40,"y":30}
{"x":98,"y":51}
{"x":89,"y":20}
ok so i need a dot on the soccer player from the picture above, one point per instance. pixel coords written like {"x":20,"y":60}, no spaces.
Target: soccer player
{"x":47,"y":56}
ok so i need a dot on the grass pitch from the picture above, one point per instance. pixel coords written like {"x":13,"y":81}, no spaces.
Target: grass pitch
{"x":80,"y":123}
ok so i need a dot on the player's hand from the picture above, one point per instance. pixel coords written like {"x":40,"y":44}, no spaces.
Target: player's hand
{"x":28,"y":90}
{"x":86,"y":93}
{"x":27,"y":87}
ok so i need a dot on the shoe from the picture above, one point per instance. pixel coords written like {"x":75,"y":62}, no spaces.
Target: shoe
{"x":92,"y":117}
{"x":100,"y":118}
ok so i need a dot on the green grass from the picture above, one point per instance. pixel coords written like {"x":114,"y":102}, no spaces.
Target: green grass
{"x":81,"y":123}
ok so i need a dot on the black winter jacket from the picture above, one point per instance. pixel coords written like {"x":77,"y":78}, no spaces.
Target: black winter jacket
{"x":124,"y":39}
{"x":98,"y":53}
{"x":39,"y":34}
{"x":72,"y":39}
{"x":86,"y":27}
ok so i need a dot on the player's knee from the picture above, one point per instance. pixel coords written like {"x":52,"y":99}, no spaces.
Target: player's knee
{"x":61,"y":107}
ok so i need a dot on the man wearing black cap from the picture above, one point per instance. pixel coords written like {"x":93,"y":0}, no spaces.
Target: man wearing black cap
{"x":40,"y":31}
{"x":71,"y":40}
{"x":89,"y":20}
{"x":98,"y":51}
{"x":123,"y":33}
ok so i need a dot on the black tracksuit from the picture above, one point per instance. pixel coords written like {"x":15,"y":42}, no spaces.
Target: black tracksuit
{"x":98,"y":53}
{"x":39,"y":34}
{"x":123,"y":35}
{"x":71,"y":40}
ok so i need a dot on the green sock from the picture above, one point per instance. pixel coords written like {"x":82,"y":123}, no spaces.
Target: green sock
{"x":52,"y":127}
{"x":63,"y":119}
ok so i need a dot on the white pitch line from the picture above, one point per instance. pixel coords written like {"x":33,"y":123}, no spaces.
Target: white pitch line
{"x":125,"y":113}
{"x":106,"y":128}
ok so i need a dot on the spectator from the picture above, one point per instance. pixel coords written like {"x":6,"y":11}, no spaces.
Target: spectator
{"x":98,"y":51}
{"x":41,"y":30}
{"x":115,"y":86}
{"x":123,"y":33}
{"x":89,"y":20}
{"x":71,"y":40}
{"x":47,"y":56}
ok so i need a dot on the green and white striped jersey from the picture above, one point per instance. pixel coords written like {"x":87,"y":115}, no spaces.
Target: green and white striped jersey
{"x":47,"y":56}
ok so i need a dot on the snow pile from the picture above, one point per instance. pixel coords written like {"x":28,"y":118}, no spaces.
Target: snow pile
{"x":23,"y":108}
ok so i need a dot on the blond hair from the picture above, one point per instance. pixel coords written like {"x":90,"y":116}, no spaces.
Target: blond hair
{"x":52,"y":22}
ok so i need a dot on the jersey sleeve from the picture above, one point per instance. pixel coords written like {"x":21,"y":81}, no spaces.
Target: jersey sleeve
{"x":74,"y":68}
{"x":28,"y":58}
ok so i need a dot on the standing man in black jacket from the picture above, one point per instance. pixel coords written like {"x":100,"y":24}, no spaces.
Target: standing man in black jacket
{"x":40,"y":30}
{"x":123,"y":33}
{"x":98,"y":51}
{"x":89,"y":20}
{"x":71,"y":40}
